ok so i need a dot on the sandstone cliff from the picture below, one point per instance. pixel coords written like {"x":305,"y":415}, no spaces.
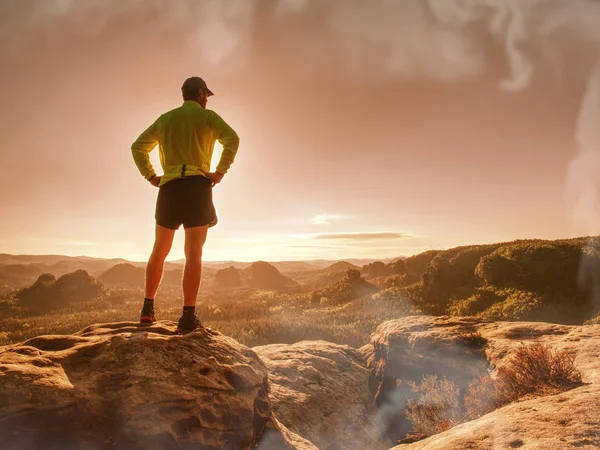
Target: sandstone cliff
{"x":123,"y":386}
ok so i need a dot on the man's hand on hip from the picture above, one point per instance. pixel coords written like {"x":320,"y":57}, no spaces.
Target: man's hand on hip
{"x":215,"y":177}
{"x":155,"y":180}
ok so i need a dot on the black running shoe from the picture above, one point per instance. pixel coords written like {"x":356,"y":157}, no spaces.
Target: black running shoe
{"x":188,"y":324}
{"x":147,"y":316}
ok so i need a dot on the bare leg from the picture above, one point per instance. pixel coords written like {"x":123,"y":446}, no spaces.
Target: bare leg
{"x":194,"y":241}
{"x":154,"y":268}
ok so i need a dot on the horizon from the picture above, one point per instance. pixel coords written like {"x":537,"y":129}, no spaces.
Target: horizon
{"x":367,"y":131}
{"x":204,"y":260}
{"x":222,"y":261}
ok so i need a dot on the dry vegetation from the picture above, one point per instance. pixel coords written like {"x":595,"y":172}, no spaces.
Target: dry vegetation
{"x":533,"y":370}
{"x":436,"y":408}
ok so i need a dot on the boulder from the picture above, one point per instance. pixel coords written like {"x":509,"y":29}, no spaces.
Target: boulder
{"x":320,"y":391}
{"x":124,"y":386}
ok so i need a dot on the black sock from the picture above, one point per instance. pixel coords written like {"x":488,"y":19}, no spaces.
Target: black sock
{"x":149,"y":304}
{"x":189,"y":311}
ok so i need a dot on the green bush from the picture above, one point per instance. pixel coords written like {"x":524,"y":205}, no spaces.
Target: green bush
{"x":482,"y":299}
{"x":518,"y":305}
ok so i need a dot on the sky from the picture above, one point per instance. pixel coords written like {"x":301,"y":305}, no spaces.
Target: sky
{"x":368,"y":129}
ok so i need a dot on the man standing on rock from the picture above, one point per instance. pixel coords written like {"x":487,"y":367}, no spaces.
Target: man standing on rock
{"x":186,"y":138}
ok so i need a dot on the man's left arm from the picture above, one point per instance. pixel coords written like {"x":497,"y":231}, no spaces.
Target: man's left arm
{"x":141,"y":149}
{"x":228,"y":139}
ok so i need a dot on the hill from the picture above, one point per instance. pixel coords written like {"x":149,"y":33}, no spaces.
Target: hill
{"x":124,"y":274}
{"x":21,"y":275}
{"x":49,"y":293}
{"x":228,"y":278}
{"x":350,"y":287}
{"x":325,"y":276}
{"x":555,"y":281}
{"x":262,"y":275}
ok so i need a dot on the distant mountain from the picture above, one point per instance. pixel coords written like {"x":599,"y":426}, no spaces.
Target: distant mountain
{"x":326,"y":276}
{"x":294,"y":266}
{"x":350,"y":287}
{"x":21,"y":275}
{"x":49,"y":292}
{"x":262,"y":275}
{"x":289,"y":266}
{"x":123,"y":275}
{"x":218,"y":265}
{"x":17,"y":271}
{"x":228,"y":278}
{"x":340,"y":267}
{"x":59,"y":265}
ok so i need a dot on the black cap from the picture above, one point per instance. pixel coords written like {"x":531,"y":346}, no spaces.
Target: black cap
{"x":194,"y":84}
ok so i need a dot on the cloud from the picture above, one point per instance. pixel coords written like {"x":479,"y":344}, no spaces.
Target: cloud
{"x":326,"y":219}
{"x":358,"y":237}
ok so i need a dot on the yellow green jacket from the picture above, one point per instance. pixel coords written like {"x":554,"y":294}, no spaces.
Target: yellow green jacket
{"x":186,"y":139}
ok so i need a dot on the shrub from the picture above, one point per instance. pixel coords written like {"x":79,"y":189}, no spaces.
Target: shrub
{"x":593,"y":321}
{"x":436,"y":407}
{"x":473,"y":340}
{"x":482,"y":299}
{"x":518,"y":305}
{"x":535,"y":368}
{"x":499,"y":270}
{"x":532,"y":370}
{"x":482,"y":397}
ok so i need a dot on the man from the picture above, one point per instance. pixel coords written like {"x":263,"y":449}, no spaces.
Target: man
{"x":186,"y":137}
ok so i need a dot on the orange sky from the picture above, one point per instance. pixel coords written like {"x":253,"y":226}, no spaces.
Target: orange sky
{"x":366,"y":131}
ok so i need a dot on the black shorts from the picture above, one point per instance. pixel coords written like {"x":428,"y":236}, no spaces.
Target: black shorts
{"x":186,"y":201}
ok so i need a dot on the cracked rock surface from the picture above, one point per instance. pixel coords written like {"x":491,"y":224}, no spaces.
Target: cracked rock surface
{"x":320,"y":391}
{"x":124,"y":386}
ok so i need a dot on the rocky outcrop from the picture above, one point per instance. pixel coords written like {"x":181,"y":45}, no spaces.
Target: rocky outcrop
{"x":122,"y":386}
{"x":319,"y":391}
{"x":461,"y":348}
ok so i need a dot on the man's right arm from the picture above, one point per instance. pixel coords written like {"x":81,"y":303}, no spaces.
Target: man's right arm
{"x":141,"y":148}
{"x":228,"y":139}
